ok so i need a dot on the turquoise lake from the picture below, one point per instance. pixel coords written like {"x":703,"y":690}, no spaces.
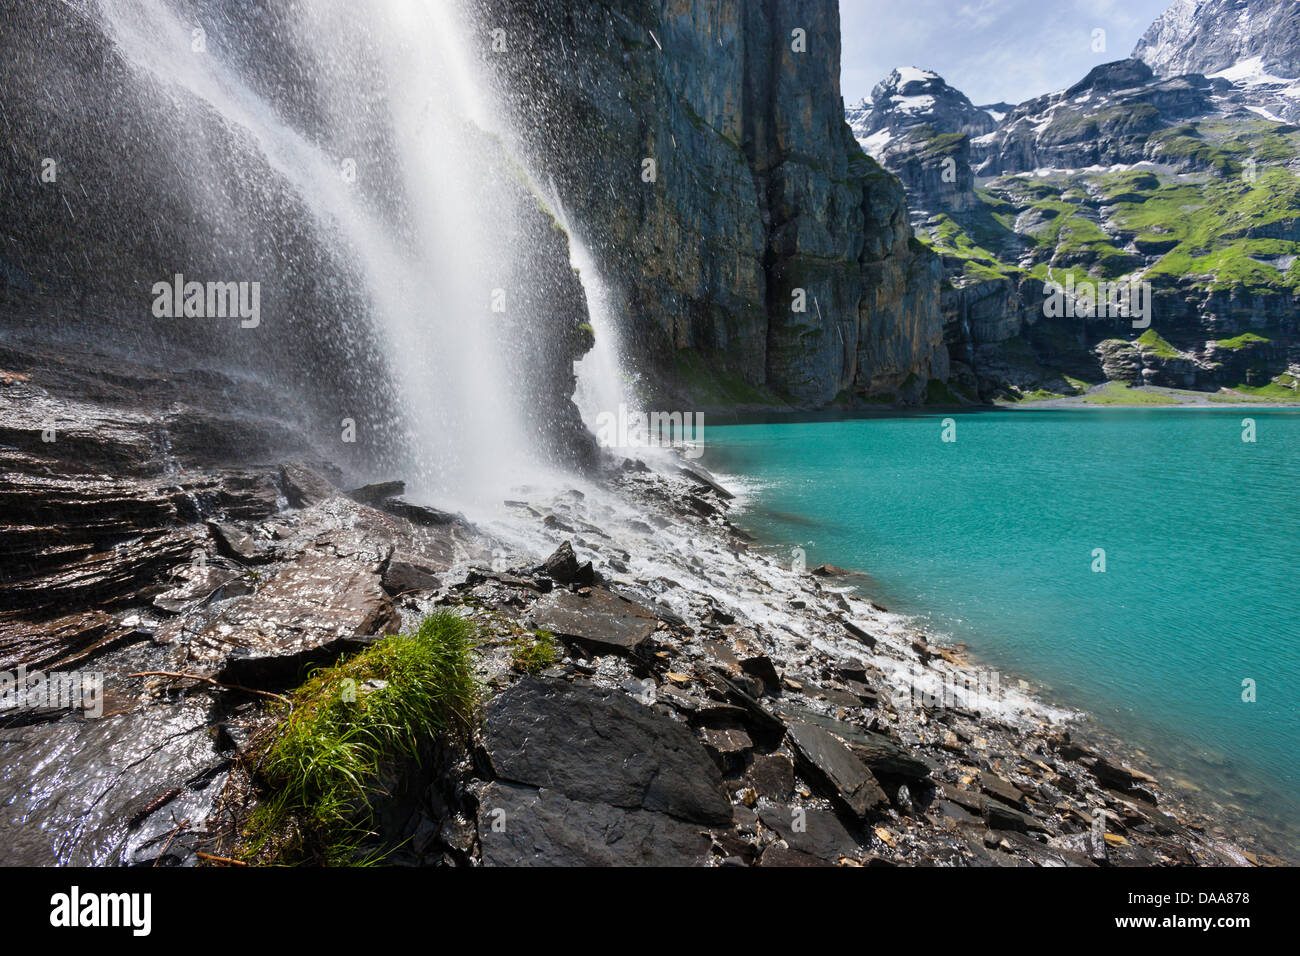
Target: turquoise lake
{"x":990,"y":540}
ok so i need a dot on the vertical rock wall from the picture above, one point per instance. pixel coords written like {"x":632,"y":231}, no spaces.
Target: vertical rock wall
{"x":758,"y":190}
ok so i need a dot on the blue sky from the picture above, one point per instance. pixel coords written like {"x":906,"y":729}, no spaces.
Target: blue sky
{"x":991,"y":50}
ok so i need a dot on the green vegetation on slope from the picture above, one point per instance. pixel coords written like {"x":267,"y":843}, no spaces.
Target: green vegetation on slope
{"x":1152,"y":341}
{"x":1228,"y":218}
{"x":1240,"y":341}
{"x":1121,"y":393}
{"x":533,"y":653}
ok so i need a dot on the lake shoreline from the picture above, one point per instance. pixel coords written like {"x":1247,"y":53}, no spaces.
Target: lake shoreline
{"x":1207,"y":802}
{"x":1083,"y":724}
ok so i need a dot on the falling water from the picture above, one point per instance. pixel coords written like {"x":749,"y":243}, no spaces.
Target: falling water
{"x":603,"y":385}
{"x":385,"y":150}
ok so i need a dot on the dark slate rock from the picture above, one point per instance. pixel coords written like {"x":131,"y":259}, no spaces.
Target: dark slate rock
{"x":771,"y":776}
{"x":969,"y":799}
{"x":955,"y":812}
{"x":1001,"y":789}
{"x":704,"y":481}
{"x":760,"y":719}
{"x":520,"y":826}
{"x":375,"y":495}
{"x":1002,"y":817}
{"x":602,"y":746}
{"x":777,"y":855}
{"x":79,"y":792}
{"x":725,"y":741}
{"x":304,"y":487}
{"x":818,"y":833}
{"x":881,"y":754}
{"x":563,"y":566}
{"x":600,"y":621}
{"x":421,"y":515}
{"x":762,"y":668}
{"x":862,"y":635}
{"x":402,"y":577}
{"x":306,"y":614}
{"x":831,"y":764}
{"x":197,"y":583}
{"x":887,"y":756}
{"x":235,"y":543}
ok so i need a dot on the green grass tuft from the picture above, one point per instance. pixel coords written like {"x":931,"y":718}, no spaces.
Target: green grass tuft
{"x":347,"y":725}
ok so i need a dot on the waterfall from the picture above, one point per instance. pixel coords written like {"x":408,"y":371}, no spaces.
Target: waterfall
{"x":377,"y":117}
{"x":603,"y":385}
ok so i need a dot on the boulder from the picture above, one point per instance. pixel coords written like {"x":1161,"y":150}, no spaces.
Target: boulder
{"x":308,"y":613}
{"x":601,"y":746}
{"x":818,"y":833}
{"x":522,"y":826}
{"x":304,"y":487}
{"x":563,"y":567}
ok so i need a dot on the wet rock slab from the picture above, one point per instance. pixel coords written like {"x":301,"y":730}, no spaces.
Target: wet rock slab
{"x":73,"y":788}
{"x":601,"y":746}
{"x":817,"y":833}
{"x":598,"y":620}
{"x":300,"y":615}
{"x":521,"y":826}
{"x":841,"y":775}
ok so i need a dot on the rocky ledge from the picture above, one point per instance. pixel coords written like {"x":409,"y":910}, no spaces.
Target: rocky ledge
{"x":706,"y":705}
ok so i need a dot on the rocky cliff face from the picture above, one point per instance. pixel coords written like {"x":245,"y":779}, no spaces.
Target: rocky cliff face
{"x":702,"y":149}
{"x":1206,"y":36}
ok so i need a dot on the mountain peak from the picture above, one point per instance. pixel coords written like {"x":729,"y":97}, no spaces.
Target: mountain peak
{"x":1108,"y":77}
{"x":910,"y":97}
{"x":1210,"y":36}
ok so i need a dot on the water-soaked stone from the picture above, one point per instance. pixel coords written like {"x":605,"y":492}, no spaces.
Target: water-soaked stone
{"x":196,"y":583}
{"x":1001,"y":789}
{"x":303,"y":486}
{"x":522,"y":826}
{"x":601,"y":746}
{"x":1003,"y":817}
{"x":73,"y":787}
{"x":842,"y":776}
{"x":598,"y":620}
{"x":307,"y":613}
{"x":880,"y":753}
{"x":771,"y":776}
{"x":375,"y":494}
{"x":403,"y":577}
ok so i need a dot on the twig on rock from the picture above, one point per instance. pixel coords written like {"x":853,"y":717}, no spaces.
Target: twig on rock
{"x":214,"y":683}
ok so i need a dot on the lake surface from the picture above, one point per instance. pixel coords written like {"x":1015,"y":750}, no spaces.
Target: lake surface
{"x":992,"y":540}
